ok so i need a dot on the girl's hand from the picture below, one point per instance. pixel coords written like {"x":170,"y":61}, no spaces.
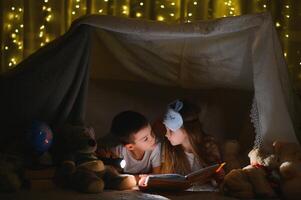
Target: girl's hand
{"x":219,"y":176}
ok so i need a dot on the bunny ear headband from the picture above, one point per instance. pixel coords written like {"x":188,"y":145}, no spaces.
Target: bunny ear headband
{"x":173,"y":119}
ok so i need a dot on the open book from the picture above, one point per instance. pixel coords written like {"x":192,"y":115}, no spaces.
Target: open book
{"x":179,"y":182}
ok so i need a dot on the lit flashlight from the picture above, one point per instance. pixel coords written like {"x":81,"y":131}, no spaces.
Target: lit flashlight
{"x":116,"y":162}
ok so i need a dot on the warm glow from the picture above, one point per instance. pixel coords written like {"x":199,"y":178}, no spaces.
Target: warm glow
{"x":138,"y":14}
{"x":49,"y":24}
{"x":160,"y":18}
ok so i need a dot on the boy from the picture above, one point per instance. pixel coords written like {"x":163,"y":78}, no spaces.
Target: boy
{"x":137,"y":143}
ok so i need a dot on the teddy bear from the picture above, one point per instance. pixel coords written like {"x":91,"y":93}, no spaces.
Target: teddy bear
{"x":273,"y":174}
{"x":230,"y":152}
{"x":255,"y":179}
{"x":10,"y":173}
{"x":289,"y":156}
{"x":80,"y":168}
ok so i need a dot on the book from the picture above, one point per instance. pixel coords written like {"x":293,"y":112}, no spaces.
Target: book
{"x":179,"y":182}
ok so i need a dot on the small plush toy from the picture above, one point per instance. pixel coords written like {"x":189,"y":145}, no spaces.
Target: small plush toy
{"x":10,"y":173}
{"x":231,"y":154}
{"x":254,"y":179}
{"x":269,"y":174}
{"x":289,"y":155}
{"x":80,"y":169}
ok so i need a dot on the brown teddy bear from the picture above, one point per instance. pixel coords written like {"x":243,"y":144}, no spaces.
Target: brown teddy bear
{"x":253,"y":180}
{"x":289,"y":155}
{"x":269,"y":174}
{"x":80,"y":168}
{"x":230,"y":151}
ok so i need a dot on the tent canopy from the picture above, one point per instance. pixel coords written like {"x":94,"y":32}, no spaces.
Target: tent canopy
{"x":240,"y":53}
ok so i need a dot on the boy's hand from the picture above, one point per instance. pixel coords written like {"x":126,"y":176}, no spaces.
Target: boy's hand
{"x":142,"y":179}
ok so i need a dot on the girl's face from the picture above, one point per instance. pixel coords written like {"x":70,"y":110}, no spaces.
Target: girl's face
{"x":176,"y":137}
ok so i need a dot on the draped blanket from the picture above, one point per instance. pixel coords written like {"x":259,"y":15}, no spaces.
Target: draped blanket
{"x":241,"y":53}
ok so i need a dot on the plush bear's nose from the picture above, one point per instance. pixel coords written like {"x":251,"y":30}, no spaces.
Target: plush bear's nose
{"x":91,"y":143}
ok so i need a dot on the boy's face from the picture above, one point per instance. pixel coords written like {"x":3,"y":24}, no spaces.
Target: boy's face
{"x":144,"y":139}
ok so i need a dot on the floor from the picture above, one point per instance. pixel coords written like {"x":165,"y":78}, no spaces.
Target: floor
{"x":58,"y":194}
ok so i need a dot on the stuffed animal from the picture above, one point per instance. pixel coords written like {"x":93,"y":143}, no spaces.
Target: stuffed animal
{"x":254,"y":179}
{"x":269,"y":174}
{"x":289,"y":155}
{"x":80,"y":169}
{"x":10,"y":173}
{"x":230,"y":151}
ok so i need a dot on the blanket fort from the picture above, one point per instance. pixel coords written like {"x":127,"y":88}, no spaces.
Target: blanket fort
{"x":240,"y":52}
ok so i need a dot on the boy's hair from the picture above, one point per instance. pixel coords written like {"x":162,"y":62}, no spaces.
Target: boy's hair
{"x":127,"y":123}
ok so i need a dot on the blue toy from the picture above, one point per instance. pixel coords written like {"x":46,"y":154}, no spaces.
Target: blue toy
{"x":40,"y":137}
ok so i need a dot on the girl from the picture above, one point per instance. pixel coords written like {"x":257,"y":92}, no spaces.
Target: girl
{"x":188,"y":148}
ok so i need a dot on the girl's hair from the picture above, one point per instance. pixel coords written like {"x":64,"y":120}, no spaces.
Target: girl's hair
{"x":175,"y":159}
{"x":127,"y":123}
